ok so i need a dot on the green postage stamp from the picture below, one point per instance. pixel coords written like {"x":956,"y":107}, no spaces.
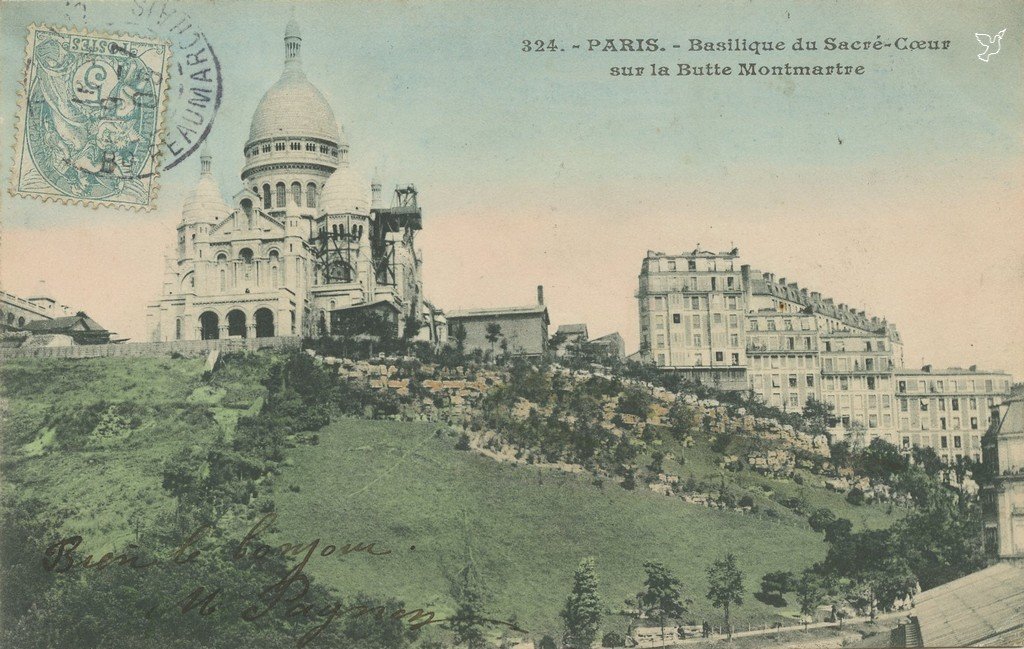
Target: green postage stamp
{"x":90,"y":118}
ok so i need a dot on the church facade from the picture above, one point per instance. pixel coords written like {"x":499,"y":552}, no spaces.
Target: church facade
{"x":304,"y":246}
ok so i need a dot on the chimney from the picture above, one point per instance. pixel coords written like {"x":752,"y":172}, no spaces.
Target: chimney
{"x":842,"y":307}
{"x":828,"y":301}
{"x":540,"y":295}
{"x":926,"y":368}
{"x":782,"y":281}
{"x":973,"y":368}
{"x":769,"y":277}
{"x":816,"y":296}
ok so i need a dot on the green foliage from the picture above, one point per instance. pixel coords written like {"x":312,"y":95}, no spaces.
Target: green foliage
{"x":855,"y":496}
{"x":725,"y":585}
{"x":880,"y":460}
{"x":613,"y":639}
{"x":779,"y":582}
{"x":662,"y":596}
{"x":547,"y":642}
{"x":582,"y":610}
{"x":810,"y":592}
{"x":928,"y":460}
{"x":467,"y":623}
{"x":636,"y":400}
{"x":821,"y":519}
{"x":818,"y":416}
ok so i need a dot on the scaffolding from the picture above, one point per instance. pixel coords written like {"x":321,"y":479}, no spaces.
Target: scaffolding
{"x":335,"y":249}
{"x":405,"y":217}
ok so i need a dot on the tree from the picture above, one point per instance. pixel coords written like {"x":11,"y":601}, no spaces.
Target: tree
{"x":467,"y":623}
{"x":837,"y":530}
{"x":493,"y":334}
{"x":929,"y":461}
{"x":662,"y":595}
{"x":458,"y":333}
{"x":725,"y":585}
{"x":817,"y":416}
{"x":809,"y":593}
{"x":636,"y":400}
{"x":582,"y":612}
{"x":780,"y":582}
{"x":821,"y":519}
{"x":881,"y":460}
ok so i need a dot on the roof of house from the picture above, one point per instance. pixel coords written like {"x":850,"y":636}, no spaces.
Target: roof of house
{"x":572,"y":329}
{"x":535,"y":309}
{"x":63,"y":324}
{"x":983,"y":608}
{"x":613,"y":336}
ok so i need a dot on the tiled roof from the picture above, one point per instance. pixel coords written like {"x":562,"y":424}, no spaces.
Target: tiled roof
{"x":974,"y":610}
{"x":63,"y":324}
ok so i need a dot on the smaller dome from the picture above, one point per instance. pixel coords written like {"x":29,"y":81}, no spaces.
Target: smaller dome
{"x":205,"y":204}
{"x":345,"y":192}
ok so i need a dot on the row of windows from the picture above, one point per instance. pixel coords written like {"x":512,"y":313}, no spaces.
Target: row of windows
{"x":954,"y":404}
{"x":940,"y":385}
{"x":279,"y":195}
{"x":773,"y":324}
{"x":792,"y":381}
{"x":292,"y":146}
{"x":869,"y":364}
{"x":776,"y":362}
{"x":942,"y":423}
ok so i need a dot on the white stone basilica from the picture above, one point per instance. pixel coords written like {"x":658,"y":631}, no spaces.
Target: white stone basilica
{"x":304,"y":244}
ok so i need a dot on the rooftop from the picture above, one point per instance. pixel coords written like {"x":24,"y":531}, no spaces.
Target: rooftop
{"x":533,"y":309}
{"x":979,"y":609}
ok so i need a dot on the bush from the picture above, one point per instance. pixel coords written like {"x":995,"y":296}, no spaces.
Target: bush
{"x":613,"y":639}
{"x":855,"y":497}
{"x":636,"y":400}
{"x":463,"y":443}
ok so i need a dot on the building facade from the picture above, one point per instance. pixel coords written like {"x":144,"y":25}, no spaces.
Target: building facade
{"x":303,"y":244}
{"x":518,"y":331}
{"x":712,"y":320}
{"x":1003,"y":500}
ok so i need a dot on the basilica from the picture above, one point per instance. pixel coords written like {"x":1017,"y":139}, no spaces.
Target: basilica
{"x":305,"y":245}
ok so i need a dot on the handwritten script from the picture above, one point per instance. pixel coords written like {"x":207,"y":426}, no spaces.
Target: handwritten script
{"x":286,"y":596}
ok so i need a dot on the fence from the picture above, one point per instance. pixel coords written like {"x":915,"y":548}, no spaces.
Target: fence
{"x":183,"y":347}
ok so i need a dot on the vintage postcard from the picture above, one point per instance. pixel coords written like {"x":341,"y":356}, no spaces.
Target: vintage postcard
{"x":511,"y":325}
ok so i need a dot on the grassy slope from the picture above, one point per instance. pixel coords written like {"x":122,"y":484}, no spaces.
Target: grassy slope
{"x":396,"y":484}
{"x":107,"y":482}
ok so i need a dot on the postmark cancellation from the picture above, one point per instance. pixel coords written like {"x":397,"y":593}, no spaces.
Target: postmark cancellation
{"x":90,"y":118}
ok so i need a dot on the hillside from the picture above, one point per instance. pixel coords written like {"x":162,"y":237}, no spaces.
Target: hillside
{"x":94,"y":434}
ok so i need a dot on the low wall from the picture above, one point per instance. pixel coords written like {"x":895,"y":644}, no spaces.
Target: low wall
{"x":183,"y":347}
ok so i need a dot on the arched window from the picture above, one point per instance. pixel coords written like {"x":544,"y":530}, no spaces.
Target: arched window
{"x":275,"y":279}
{"x":10,"y":318}
{"x":177,"y":329}
{"x":311,"y":195}
{"x":297,"y":194}
{"x":266,"y":197}
{"x":245,"y":254}
{"x":21,"y":322}
{"x":223,"y":280}
{"x":222,"y":256}
{"x":280,"y":194}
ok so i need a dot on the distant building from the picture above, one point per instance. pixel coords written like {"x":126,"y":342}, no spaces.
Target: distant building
{"x":704,"y":316}
{"x":305,"y":247}
{"x":16,"y":312}
{"x":521,"y":331}
{"x":570,"y":336}
{"x":612,"y":346}
{"x":949,"y":409}
{"x":82,"y":329}
{"x":1003,"y":501}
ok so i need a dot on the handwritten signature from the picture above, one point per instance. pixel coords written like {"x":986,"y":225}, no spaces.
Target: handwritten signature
{"x":286,"y":595}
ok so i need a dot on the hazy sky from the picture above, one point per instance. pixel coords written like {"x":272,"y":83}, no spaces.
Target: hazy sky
{"x":544,"y":169}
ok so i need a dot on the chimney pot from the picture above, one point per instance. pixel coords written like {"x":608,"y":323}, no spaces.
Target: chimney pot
{"x":540,"y":294}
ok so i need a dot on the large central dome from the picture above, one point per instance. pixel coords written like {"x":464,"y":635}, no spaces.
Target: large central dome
{"x":293,"y":107}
